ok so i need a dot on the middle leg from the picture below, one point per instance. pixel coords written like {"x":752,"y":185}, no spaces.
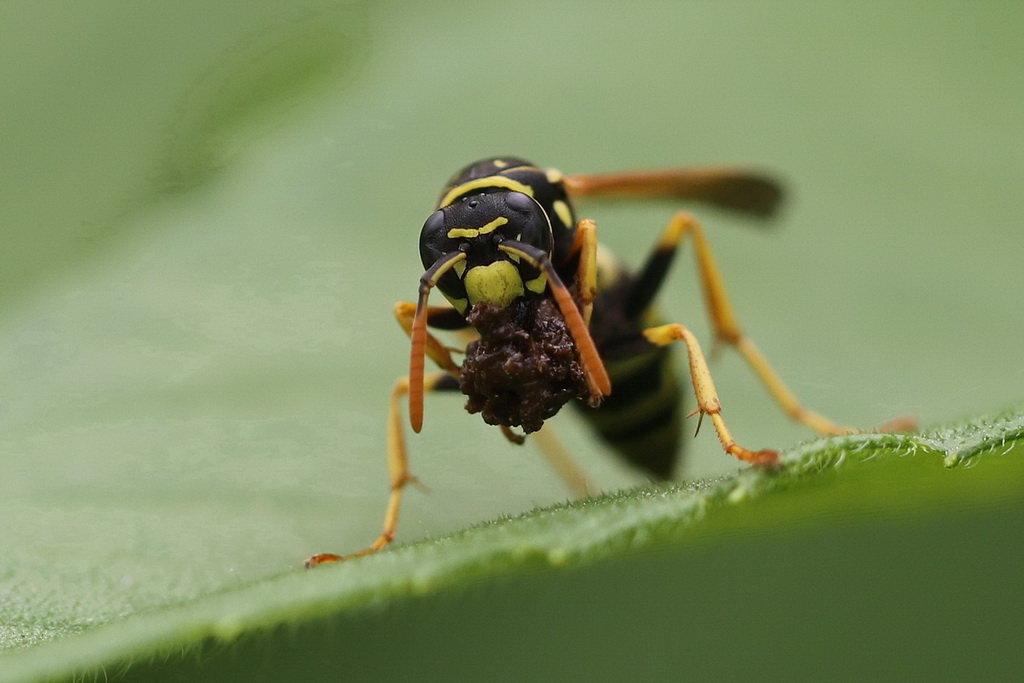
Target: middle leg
{"x":704,"y":389}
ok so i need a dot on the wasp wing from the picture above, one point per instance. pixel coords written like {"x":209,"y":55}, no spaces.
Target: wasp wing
{"x":732,"y":188}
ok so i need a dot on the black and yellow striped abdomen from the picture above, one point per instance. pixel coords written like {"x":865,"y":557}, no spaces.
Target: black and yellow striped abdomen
{"x":642,"y":417}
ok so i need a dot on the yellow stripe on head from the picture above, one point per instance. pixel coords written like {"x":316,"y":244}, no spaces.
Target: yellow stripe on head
{"x":470,"y":233}
{"x":480,"y":183}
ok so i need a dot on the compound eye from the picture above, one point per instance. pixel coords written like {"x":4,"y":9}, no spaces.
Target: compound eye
{"x":434,"y":225}
{"x":528,"y":220}
{"x":517,"y":201}
{"x":433,"y":239}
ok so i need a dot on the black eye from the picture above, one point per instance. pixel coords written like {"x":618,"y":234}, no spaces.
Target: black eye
{"x":434,"y":224}
{"x":517,"y":201}
{"x":433,"y":239}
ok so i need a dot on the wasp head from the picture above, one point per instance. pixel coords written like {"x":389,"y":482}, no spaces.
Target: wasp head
{"x":475,"y":225}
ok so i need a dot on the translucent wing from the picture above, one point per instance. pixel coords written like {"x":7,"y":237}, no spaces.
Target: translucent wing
{"x":733,"y":188}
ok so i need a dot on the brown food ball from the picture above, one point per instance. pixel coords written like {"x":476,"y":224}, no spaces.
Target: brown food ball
{"x":524,"y":367}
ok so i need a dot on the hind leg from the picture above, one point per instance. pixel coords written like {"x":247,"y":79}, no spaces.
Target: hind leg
{"x":723,"y":319}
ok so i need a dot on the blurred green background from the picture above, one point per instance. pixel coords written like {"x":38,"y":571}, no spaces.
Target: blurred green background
{"x":208,"y":208}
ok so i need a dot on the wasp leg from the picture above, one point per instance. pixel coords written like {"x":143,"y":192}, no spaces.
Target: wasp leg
{"x":398,"y":467}
{"x":563,"y":463}
{"x":438,"y":317}
{"x":723,"y":320}
{"x":585,"y":244}
{"x":704,"y":389}
{"x":558,"y":457}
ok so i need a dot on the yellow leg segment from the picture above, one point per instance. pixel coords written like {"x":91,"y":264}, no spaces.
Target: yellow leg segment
{"x":564,"y":464}
{"x":727,"y":330}
{"x":704,"y":389}
{"x":398,"y":472}
{"x":405,"y":312}
{"x":586,"y":272}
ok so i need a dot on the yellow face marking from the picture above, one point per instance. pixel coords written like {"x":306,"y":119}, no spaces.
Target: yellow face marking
{"x":496,"y":283}
{"x":489,"y":181}
{"x":476,"y":232}
{"x":537,"y":284}
{"x":500,"y":163}
{"x":564,"y":214}
{"x":459,"y":268}
{"x":554,"y":176}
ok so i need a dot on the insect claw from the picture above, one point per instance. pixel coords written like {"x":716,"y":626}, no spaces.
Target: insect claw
{"x":417,"y":483}
{"x":903,"y":423}
{"x":700,"y":420}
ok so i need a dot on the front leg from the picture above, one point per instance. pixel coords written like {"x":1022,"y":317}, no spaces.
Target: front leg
{"x":399,"y":475}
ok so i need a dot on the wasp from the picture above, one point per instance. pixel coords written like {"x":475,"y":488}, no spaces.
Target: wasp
{"x":557,"y":319}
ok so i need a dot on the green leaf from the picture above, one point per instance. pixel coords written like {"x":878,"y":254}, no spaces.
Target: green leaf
{"x":208,"y":209}
{"x":864,"y":494}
